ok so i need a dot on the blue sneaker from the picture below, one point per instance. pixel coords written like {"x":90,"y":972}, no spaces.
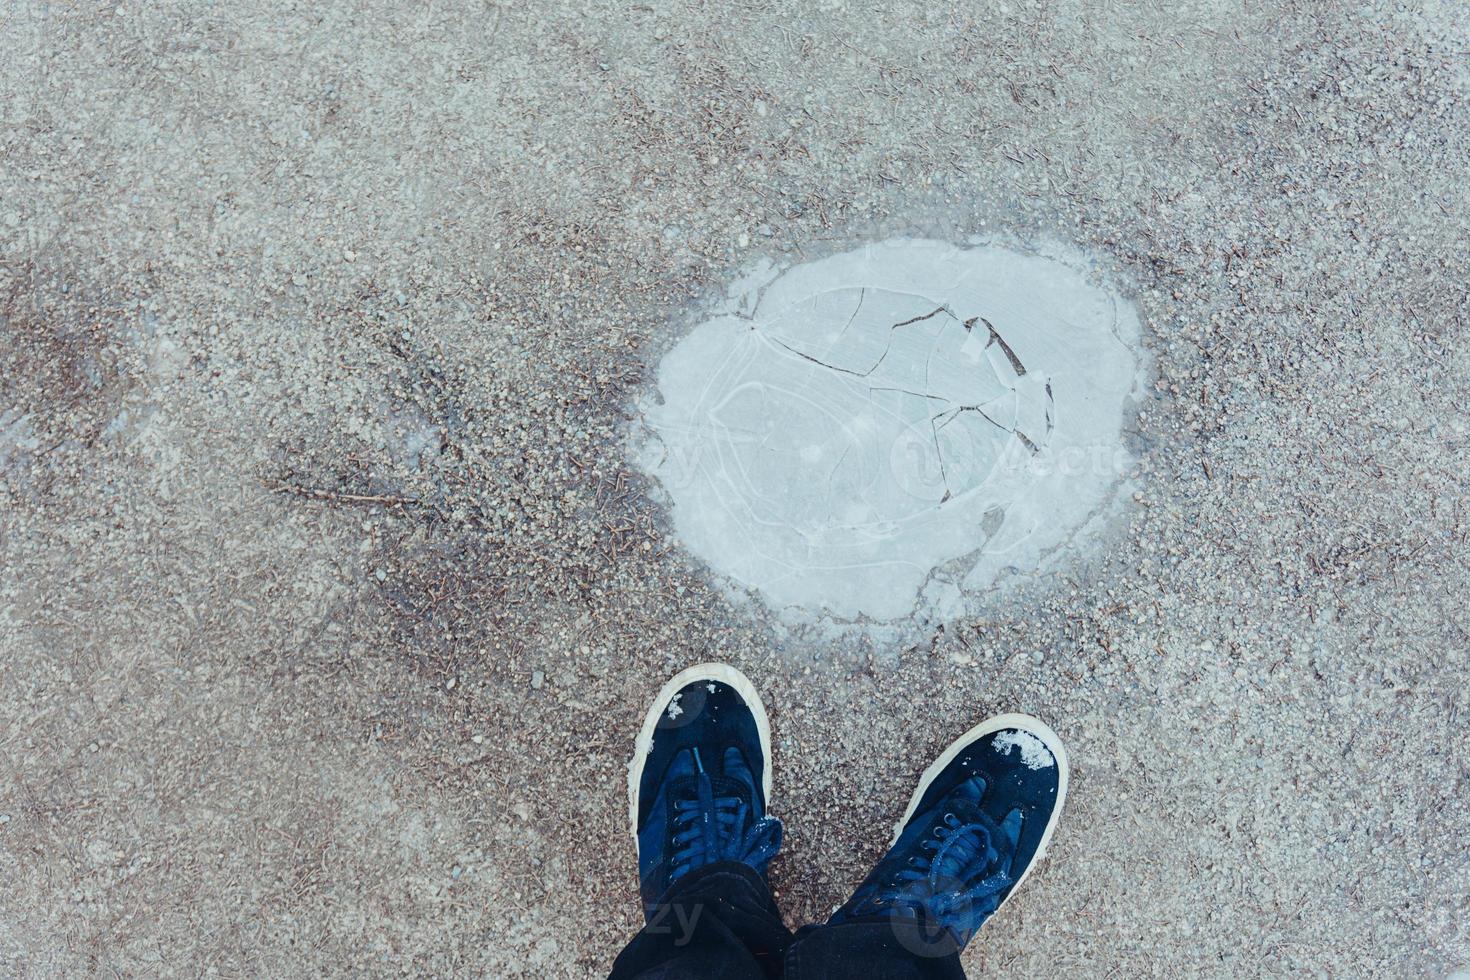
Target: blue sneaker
{"x":977,"y":823}
{"x":700,"y":780}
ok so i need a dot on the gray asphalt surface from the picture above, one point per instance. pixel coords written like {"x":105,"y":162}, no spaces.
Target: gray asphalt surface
{"x":330,"y":599}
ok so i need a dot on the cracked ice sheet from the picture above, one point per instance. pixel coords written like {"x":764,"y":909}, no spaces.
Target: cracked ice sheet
{"x":851,"y":425}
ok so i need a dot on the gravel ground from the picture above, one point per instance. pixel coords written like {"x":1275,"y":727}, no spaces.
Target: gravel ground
{"x":330,"y":600}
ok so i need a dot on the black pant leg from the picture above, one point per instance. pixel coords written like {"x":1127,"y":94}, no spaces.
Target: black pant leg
{"x":872,"y":950}
{"x":716,"y":923}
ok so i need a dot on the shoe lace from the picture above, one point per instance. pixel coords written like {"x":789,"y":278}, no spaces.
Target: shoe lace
{"x":709,"y":828}
{"x":961,"y":867}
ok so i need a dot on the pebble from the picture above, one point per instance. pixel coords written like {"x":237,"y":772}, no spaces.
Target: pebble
{"x":538,"y":678}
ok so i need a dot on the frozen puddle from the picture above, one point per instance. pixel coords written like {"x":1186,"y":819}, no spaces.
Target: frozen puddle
{"x":897,"y":427}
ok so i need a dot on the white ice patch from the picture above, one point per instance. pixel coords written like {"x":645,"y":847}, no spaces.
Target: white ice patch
{"x":847,"y":426}
{"x":674,"y":709}
{"x":1034,"y":753}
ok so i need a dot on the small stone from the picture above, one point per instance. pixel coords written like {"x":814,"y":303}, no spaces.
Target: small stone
{"x":1037,"y":657}
{"x":538,"y":678}
{"x":381,"y":575}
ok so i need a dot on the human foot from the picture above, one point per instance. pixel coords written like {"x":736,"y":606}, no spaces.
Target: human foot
{"x":700,"y":779}
{"x":977,"y":823}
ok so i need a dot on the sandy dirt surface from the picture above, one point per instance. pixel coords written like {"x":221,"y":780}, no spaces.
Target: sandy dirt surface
{"x":330,"y":600}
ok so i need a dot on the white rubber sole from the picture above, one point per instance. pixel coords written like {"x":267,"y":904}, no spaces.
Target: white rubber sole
{"x":1025,"y":723}
{"x":643,"y":745}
